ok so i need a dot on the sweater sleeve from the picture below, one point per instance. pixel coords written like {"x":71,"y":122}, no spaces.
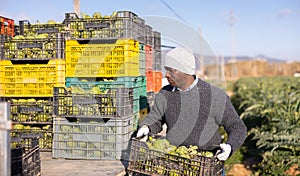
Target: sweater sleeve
{"x":154,"y":119}
{"x":234,"y":126}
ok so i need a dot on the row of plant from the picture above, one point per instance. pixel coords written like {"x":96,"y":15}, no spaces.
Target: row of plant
{"x":270,"y":108}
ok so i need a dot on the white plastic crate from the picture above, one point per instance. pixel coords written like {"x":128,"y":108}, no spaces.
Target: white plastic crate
{"x":98,"y":140}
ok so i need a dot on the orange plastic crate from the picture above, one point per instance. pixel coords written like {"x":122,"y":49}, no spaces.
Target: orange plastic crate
{"x":105,"y":59}
{"x":157,"y":81}
{"x":6,"y":26}
{"x":31,"y":80}
{"x":149,"y":78}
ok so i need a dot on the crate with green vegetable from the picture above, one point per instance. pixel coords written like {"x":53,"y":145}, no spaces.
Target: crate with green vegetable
{"x":98,"y":139}
{"x":35,"y":47}
{"x":31,"y":110}
{"x":31,"y":79}
{"x":149,"y":35}
{"x":50,"y":28}
{"x":121,"y":24}
{"x":138,"y":83}
{"x":44,"y":132}
{"x":25,"y":156}
{"x":3,"y":38}
{"x":102,"y":58}
{"x":157,"y":60}
{"x":158,"y":157}
{"x":156,"y":40}
{"x":93,"y":103}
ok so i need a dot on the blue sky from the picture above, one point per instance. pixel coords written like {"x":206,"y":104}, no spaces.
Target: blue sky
{"x":267,"y":27}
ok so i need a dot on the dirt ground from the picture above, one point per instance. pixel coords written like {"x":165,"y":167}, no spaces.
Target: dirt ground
{"x":64,"y":167}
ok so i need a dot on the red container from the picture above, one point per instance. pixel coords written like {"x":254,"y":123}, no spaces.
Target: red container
{"x":149,"y":56}
{"x":6,"y":26}
{"x":157,"y":81}
{"x":149,"y":78}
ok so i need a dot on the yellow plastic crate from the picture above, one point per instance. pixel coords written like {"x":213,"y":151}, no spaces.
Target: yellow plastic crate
{"x":106,"y":59}
{"x":31,"y":80}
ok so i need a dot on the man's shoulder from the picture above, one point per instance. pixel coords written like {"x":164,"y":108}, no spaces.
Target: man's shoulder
{"x":167,"y":88}
{"x":214,"y":89}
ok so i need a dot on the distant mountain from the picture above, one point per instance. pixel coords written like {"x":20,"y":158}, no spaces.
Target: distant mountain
{"x":260,"y":56}
{"x":270,"y":59}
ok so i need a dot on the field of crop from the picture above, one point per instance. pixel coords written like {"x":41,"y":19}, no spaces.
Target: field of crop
{"x":270,"y":108}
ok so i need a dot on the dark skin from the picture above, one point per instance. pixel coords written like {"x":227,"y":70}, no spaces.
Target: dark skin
{"x":178,"y":79}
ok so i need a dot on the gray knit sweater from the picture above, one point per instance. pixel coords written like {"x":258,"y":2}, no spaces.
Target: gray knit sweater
{"x":194,"y":117}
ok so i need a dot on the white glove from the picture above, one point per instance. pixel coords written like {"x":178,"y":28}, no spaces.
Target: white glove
{"x":226,"y":149}
{"x":143,"y":131}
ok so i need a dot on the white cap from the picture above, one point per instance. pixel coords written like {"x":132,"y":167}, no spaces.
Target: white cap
{"x":181,"y":59}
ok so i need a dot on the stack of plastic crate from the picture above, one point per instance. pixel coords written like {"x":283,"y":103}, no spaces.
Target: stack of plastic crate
{"x":148,"y":50}
{"x":109,"y":47}
{"x":153,"y":68}
{"x":96,"y":112}
{"x":92,"y":125}
{"x":149,"y":56}
{"x":157,"y":62}
{"x":32,"y":65}
{"x":153,"y":60}
{"x":94,"y":121}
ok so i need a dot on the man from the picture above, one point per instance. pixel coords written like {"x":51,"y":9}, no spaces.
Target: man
{"x":193,"y":110}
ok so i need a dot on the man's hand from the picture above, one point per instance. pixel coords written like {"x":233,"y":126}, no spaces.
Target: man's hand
{"x":143,"y":131}
{"x":226,"y":149}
